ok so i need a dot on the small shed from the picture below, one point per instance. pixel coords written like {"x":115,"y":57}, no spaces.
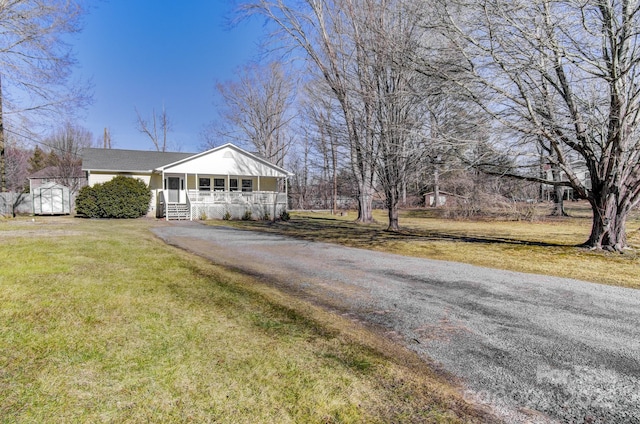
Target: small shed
{"x":51,"y":199}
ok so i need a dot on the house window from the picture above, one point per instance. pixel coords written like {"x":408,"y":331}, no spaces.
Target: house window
{"x":204,"y":184}
{"x":218,"y":184}
{"x":247,"y":185}
{"x":233,"y":184}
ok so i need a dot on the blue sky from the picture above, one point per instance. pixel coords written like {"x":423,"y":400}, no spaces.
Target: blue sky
{"x":146,"y":53}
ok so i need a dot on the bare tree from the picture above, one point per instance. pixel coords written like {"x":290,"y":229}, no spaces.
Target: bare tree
{"x":17,"y":183}
{"x":35,"y":63}
{"x":156,"y":129}
{"x":328,"y":34}
{"x":257,"y":110}
{"x":395,"y":28}
{"x":321,"y":114}
{"x":66,"y":146}
{"x":300,"y":164}
{"x":209,"y":135}
{"x":17,"y":166}
{"x":565,"y":72}
{"x":453,"y":127}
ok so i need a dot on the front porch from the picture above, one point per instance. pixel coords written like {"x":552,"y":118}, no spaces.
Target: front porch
{"x":225,"y":182}
{"x":236,"y":205}
{"x":190,"y":204}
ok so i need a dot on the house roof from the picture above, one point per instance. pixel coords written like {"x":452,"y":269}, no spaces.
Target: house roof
{"x":115,"y":160}
{"x":128,"y":160}
{"x":253,"y":156}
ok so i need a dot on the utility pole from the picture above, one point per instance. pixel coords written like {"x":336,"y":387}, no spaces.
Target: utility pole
{"x":107,"y":139}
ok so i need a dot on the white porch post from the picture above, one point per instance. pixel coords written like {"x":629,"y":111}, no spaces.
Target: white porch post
{"x":259,"y":183}
{"x":186,"y":194}
{"x":165,"y":200}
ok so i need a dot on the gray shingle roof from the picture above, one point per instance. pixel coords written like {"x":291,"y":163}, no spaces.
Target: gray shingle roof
{"x":128,"y":160}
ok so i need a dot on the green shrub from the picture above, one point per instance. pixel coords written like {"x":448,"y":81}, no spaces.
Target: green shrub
{"x":122,"y":197}
{"x":247,"y":215}
{"x":87,"y":201}
{"x":284,"y":216}
{"x":226,"y":216}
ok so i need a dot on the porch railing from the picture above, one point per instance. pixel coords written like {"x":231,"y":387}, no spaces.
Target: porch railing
{"x":189,"y":206}
{"x":237,"y":197}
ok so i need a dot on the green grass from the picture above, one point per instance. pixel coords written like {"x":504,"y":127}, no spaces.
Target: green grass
{"x":540,"y":246}
{"x":102,"y":322}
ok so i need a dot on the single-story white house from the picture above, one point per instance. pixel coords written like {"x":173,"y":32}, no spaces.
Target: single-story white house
{"x":225,"y":180}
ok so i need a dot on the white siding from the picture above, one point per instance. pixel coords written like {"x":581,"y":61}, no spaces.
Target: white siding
{"x":103,"y":177}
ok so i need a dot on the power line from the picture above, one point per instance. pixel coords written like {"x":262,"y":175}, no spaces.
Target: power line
{"x":33,"y":140}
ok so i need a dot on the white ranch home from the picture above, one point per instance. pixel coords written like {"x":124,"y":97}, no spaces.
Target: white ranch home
{"x":225,"y":180}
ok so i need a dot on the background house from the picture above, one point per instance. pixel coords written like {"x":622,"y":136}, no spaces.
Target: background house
{"x":547,"y":192}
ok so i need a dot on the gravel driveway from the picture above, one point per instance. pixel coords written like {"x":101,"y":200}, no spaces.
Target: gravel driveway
{"x":535,"y":348}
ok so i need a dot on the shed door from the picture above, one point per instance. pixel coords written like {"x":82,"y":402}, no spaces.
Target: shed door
{"x":173,"y":184}
{"x":46,"y":201}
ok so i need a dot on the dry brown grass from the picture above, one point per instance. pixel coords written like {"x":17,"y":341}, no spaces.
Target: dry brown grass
{"x":540,"y":245}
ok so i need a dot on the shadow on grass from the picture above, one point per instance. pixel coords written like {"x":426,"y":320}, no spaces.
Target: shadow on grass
{"x":370,"y":235}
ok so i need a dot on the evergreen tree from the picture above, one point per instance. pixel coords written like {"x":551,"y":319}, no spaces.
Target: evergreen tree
{"x":38,"y":160}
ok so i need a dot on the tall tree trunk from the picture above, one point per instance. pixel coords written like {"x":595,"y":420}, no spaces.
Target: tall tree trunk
{"x":558,"y":202}
{"x":558,"y":195}
{"x":392,"y":209}
{"x":365,"y":203}
{"x":363,"y":164}
{"x":608,"y":225}
{"x":334,"y":171}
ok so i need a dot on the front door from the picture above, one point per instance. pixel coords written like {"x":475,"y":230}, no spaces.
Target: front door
{"x":174,"y":189}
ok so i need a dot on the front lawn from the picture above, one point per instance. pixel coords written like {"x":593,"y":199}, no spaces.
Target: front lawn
{"x":102,"y":322}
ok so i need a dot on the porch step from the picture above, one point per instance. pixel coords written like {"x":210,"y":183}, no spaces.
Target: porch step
{"x":177,"y":211}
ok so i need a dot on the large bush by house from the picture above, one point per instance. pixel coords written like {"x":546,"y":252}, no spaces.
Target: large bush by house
{"x":122,"y":197}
